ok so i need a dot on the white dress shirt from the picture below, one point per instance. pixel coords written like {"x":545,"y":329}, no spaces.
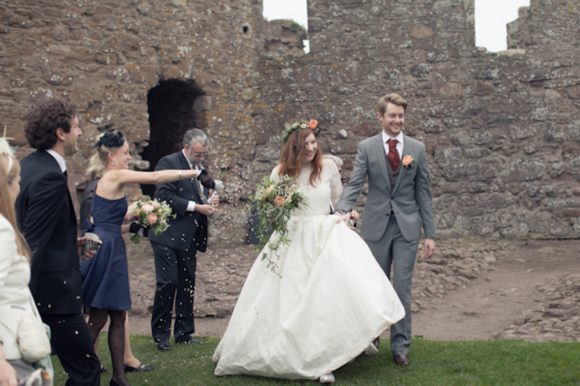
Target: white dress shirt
{"x":400,"y":144}
{"x":61,"y":161}
{"x":190,"y":204}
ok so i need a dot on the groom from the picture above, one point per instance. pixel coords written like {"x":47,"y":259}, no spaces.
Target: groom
{"x":398,"y":202}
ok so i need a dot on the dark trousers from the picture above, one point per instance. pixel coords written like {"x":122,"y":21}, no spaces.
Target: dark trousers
{"x":72,"y":343}
{"x":175,"y":275}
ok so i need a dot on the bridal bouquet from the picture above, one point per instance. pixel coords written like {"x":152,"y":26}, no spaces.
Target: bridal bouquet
{"x":151,"y":214}
{"x":274,"y":201}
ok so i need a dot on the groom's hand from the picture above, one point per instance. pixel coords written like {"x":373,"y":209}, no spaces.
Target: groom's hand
{"x":341,"y":217}
{"x":429,"y":248}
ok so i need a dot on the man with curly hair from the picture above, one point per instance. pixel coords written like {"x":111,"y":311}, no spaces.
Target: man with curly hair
{"x":47,"y":220}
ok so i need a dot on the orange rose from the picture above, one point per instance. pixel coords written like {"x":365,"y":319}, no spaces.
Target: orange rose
{"x":279,"y":201}
{"x":312,"y":124}
{"x":407,"y":161}
{"x":152,"y":218}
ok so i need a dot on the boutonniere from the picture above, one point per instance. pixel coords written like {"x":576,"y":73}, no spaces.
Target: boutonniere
{"x":409,"y":162}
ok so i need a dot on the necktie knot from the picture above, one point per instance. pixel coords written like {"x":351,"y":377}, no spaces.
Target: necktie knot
{"x":393,"y":155}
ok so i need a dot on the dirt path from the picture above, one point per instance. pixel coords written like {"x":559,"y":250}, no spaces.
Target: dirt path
{"x":484,"y":309}
{"x":490,"y":305}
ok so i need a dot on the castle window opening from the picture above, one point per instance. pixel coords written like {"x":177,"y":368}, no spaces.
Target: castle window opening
{"x":172,"y":111}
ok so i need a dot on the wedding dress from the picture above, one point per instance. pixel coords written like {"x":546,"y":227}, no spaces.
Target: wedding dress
{"x":326,"y":301}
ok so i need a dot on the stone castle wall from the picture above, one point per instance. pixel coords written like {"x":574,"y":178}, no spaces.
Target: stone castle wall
{"x":502,"y":130}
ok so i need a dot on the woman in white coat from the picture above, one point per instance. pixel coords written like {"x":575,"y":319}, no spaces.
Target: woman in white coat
{"x":15,"y":297}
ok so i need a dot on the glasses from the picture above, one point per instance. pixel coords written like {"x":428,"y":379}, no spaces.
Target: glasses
{"x":199,"y":155}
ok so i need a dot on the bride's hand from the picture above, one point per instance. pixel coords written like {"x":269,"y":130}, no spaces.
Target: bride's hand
{"x":341,"y":217}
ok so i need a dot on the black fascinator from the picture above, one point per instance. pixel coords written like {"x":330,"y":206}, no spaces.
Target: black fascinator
{"x":112,"y":138}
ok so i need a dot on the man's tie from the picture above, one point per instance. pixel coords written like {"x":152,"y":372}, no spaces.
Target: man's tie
{"x":199,"y":185}
{"x":393,"y":155}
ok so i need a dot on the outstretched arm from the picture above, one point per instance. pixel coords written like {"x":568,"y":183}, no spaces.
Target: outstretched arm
{"x":153,"y":178}
{"x":357,"y":180}
{"x":166,"y":191}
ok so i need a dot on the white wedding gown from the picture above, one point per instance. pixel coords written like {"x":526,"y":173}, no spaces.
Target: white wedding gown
{"x":326,"y":302}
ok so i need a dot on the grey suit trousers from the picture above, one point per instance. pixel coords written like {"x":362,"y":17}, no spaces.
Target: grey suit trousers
{"x":392,"y":250}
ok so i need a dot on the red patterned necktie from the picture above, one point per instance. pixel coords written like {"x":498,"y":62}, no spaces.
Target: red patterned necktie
{"x":393,"y":155}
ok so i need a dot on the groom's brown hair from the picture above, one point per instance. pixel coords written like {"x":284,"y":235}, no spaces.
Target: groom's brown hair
{"x":393,"y":98}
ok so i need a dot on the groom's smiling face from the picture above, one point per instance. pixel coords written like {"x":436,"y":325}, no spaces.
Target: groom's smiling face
{"x":393,"y":120}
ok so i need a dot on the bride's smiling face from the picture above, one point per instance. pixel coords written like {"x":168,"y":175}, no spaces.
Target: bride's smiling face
{"x":310,"y":148}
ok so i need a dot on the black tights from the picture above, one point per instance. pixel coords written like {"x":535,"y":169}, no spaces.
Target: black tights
{"x":97,"y":320}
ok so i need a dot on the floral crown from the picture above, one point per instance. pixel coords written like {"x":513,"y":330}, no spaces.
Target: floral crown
{"x":112,"y":138}
{"x":313,"y":124}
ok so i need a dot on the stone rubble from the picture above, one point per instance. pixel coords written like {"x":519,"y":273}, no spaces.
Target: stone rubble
{"x":457,"y":264}
{"x":556,"y":318}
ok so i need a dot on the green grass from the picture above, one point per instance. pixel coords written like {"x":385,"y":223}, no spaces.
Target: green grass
{"x":434,"y":363}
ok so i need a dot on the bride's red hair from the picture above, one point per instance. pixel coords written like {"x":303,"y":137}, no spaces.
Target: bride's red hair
{"x":293,"y":155}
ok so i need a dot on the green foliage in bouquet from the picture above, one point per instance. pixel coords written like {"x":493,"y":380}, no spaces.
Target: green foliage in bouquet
{"x":274,"y":200}
{"x":153,"y":215}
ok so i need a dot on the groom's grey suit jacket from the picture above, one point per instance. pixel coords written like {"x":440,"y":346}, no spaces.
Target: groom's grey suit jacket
{"x":410,"y":199}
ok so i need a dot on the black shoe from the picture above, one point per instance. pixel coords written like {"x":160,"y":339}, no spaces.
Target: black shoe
{"x":139,"y":368}
{"x":163,"y":346}
{"x":401,"y":360}
{"x":187,"y":339}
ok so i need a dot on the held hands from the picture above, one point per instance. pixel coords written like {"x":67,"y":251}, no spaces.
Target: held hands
{"x":429,"y":248}
{"x":353,"y":215}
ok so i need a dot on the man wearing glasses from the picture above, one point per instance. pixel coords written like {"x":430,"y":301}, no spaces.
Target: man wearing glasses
{"x":175,"y":249}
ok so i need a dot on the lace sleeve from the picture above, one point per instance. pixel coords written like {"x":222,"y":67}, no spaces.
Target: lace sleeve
{"x":335,"y":184}
{"x":274,"y":174}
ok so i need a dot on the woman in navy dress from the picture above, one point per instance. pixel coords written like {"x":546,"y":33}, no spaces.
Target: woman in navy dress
{"x":106,"y":276}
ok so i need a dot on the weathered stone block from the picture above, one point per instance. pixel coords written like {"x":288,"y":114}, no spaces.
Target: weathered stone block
{"x":421,"y":32}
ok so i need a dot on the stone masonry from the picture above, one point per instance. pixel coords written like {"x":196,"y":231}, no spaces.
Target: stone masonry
{"x":502,"y":130}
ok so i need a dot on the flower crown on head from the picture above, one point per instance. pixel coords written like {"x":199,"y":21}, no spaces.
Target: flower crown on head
{"x":297,"y":126}
{"x":111,"y":138}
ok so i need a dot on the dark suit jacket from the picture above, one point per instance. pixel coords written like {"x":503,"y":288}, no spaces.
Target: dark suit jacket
{"x":47,"y":220}
{"x":177,"y":194}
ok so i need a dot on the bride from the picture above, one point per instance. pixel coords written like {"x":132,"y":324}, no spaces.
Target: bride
{"x":328,"y":298}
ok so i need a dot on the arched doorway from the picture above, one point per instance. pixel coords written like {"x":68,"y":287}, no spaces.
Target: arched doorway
{"x":172,"y":111}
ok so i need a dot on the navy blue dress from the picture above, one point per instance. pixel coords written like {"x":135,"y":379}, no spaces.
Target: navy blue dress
{"x":106,"y":275}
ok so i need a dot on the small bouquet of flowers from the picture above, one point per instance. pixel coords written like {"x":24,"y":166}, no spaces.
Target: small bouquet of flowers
{"x":274,"y":201}
{"x":151,"y":214}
